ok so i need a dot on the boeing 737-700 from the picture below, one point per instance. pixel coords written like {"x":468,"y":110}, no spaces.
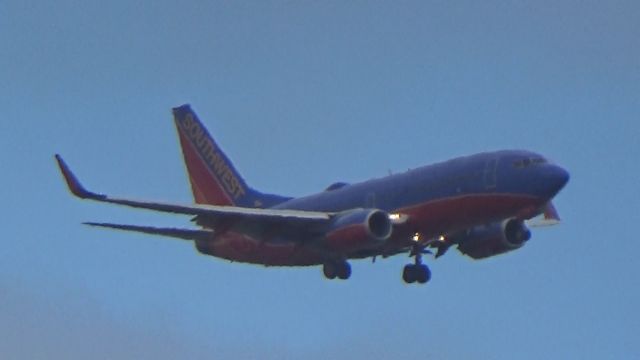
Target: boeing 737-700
{"x":478,"y":203}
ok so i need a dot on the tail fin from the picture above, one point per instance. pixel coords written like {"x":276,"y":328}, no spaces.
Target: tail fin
{"x":214,"y":179}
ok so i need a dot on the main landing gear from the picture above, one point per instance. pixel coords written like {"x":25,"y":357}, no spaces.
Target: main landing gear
{"x":416,"y":272}
{"x":337,"y":269}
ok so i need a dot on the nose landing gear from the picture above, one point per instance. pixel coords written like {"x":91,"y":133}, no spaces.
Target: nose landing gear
{"x":417,"y":272}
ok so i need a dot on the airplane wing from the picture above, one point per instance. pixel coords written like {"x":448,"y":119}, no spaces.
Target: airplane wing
{"x":185,"y":234}
{"x":549,"y":217}
{"x":208,"y":211}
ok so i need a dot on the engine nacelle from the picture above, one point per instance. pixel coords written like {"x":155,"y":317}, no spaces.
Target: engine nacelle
{"x":493,"y":239}
{"x":358,"y":229}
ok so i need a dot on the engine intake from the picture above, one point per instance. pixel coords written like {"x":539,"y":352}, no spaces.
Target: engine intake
{"x":493,"y":239}
{"x":358,"y":229}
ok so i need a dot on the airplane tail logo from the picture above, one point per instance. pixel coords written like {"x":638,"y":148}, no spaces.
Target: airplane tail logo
{"x":214,"y":180}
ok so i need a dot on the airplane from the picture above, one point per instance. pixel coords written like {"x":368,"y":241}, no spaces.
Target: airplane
{"x":479,"y":203}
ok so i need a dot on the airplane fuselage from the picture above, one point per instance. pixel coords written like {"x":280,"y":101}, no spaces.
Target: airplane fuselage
{"x":436,"y":199}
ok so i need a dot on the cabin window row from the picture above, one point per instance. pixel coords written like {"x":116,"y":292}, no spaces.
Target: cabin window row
{"x":523,"y":163}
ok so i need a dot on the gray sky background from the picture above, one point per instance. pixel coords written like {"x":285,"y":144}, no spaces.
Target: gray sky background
{"x":302,"y":94}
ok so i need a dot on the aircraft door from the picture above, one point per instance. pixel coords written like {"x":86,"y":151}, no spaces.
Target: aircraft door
{"x":491,"y":174}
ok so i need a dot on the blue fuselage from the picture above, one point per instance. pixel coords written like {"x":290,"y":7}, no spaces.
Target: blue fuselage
{"x":437,"y":199}
{"x":503,"y":174}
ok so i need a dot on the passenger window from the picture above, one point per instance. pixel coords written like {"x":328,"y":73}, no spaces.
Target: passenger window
{"x":523,"y":163}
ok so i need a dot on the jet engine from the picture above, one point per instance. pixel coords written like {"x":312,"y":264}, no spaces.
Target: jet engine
{"x":497,"y":238}
{"x":358,"y":229}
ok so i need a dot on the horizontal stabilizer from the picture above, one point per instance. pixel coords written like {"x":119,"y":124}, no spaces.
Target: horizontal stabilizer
{"x":185,"y":234}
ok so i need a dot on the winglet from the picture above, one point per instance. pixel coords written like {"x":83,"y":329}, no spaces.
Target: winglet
{"x":549,"y":217}
{"x":72,"y":182}
{"x":550,"y":212}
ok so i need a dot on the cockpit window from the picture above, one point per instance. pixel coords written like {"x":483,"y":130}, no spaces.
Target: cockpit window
{"x":526,"y":162}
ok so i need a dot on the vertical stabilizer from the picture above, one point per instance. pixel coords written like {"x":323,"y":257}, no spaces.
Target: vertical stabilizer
{"x":214,"y":179}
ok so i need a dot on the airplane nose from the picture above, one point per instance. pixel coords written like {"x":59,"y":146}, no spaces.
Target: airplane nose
{"x":558,"y":178}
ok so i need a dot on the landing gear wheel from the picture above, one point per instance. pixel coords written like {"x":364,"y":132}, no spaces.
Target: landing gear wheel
{"x":423,"y":274}
{"x":416,"y":272}
{"x":340,"y":270}
{"x":344,"y":271}
{"x":408,"y":274}
{"x":329,"y":270}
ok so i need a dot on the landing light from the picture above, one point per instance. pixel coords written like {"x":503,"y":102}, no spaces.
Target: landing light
{"x":394,"y":216}
{"x":441,"y":238}
{"x":416,"y":237}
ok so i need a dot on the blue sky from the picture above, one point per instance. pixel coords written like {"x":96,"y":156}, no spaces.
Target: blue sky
{"x":302,"y":94}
